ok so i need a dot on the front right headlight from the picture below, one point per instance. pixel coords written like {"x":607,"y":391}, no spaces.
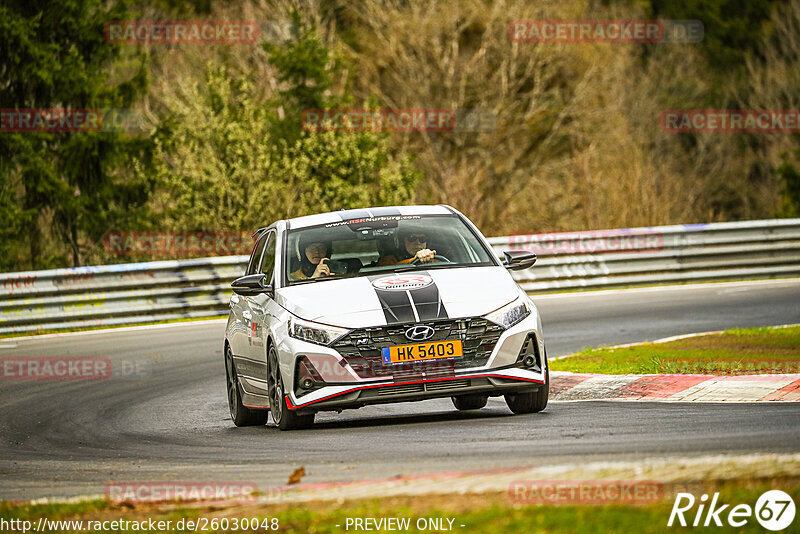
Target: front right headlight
{"x":321,"y":334}
{"x":510,"y":314}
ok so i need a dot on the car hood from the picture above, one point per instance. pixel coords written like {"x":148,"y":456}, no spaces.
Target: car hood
{"x":399,"y":298}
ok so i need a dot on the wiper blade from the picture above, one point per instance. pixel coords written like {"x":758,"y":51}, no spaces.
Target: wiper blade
{"x":312,"y":280}
{"x":405,"y":268}
{"x":424,"y":266}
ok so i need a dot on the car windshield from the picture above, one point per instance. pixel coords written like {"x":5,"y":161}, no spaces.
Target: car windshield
{"x":367,"y":246}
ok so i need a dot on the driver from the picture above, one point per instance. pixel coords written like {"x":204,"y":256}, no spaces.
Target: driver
{"x":413,"y":246}
{"x":312,"y":264}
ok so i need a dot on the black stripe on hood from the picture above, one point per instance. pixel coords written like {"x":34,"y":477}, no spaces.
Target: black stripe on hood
{"x":428,"y":303}
{"x":398,"y":308}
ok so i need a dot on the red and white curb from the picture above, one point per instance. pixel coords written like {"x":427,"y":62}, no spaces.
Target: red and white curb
{"x":565,"y":386}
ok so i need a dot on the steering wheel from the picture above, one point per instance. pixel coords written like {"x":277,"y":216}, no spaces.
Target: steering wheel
{"x":439,"y":257}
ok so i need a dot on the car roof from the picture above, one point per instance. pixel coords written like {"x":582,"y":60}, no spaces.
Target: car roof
{"x":384,"y":211}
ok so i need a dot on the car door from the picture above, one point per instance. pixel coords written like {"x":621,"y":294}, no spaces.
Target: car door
{"x":239,"y":336}
{"x":262,"y":313}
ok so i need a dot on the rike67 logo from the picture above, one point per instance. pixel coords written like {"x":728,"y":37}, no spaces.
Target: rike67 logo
{"x":774,"y":510}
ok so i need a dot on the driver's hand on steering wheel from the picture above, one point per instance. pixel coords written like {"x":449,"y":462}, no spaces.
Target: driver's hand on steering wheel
{"x":425,"y":255}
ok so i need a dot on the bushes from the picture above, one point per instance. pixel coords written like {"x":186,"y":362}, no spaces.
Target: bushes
{"x":230,"y":159}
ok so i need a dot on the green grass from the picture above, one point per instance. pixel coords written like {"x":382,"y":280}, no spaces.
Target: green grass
{"x":52,"y":510}
{"x":734,"y":352}
{"x":505,"y":519}
{"x":486,"y":514}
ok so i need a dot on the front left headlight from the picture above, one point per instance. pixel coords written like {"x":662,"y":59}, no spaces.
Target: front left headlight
{"x":321,"y":334}
{"x":510,"y":314}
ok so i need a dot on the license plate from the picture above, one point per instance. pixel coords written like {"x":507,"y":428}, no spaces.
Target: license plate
{"x":422,"y":351}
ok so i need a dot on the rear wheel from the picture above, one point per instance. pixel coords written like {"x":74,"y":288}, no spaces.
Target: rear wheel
{"x":470,"y":402}
{"x":240,"y":414}
{"x":534,"y":401}
{"x":285,"y":418}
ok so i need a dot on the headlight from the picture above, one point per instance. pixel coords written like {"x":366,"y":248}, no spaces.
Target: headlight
{"x":321,"y":334}
{"x":510,"y":314}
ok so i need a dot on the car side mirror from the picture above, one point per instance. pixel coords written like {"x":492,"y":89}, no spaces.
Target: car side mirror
{"x":517,"y":260}
{"x":251,"y":285}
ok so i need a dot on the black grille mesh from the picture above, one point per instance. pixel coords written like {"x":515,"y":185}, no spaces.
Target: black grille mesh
{"x":362,"y":347}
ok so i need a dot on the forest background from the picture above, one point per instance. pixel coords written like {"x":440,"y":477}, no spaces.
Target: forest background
{"x":570,"y":137}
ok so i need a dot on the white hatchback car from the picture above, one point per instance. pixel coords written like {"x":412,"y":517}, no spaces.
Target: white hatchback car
{"x":379,"y":305}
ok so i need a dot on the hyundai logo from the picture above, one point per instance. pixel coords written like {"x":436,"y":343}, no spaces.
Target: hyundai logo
{"x":420,"y":333}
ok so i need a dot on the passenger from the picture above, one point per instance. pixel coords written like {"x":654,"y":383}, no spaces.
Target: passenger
{"x":312,"y":264}
{"x":413,"y":245}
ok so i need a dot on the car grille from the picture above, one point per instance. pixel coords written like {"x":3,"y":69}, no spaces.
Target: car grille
{"x":447,"y":384}
{"x":399,"y":390}
{"x":419,"y":388}
{"x":362,"y":348}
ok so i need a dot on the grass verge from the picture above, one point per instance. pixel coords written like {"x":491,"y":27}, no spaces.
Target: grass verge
{"x":484,"y":513}
{"x":734,"y":352}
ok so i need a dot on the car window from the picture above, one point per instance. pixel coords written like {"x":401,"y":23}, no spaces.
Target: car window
{"x":255,"y":258}
{"x":369,"y":246}
{"x":268,"y":259}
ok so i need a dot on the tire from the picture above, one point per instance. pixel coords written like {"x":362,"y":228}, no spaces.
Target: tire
{"x":475,"y":401}
{"x":241,"y":415}
{"x":534,"y":401}
{"x":285,"y":418}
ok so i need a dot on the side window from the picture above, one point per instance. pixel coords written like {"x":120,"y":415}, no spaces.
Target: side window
{"x":268,"y":260}
{"x":256,"y":256}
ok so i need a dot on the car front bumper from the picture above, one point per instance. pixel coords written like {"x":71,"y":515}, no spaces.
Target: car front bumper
{"x":492,"y":383}
{"x":345,"y":388}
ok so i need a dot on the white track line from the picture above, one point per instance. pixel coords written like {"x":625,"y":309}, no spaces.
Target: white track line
{"x":676,"y":287}
{"x":686,"y":336}
{"x":116,"y":330}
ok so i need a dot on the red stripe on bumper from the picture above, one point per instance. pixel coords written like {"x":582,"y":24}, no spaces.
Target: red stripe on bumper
{"x":294,"y":407}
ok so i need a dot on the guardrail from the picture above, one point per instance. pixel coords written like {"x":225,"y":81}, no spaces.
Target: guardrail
{"x":168,"y":290}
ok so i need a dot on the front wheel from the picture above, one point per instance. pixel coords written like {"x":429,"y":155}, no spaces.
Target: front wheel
{"x":240,"y":414}
{"x":285,"y":418}
{"x":534,"y":401}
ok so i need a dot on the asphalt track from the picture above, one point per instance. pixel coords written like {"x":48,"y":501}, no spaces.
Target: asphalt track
{"x":166,"y":417}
